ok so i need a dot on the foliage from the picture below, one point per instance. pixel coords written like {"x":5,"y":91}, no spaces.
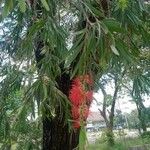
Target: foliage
{"x":16,"y":132}
{"x":146,"y":135}
{"x":106,"y":137}
{"x":119,"y":119}
{"x":133,"y":120}
{"x":147,"y":113}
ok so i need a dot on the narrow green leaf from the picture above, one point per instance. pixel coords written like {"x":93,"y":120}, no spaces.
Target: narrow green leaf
{"x":45,"y":4}
{"x":104,"y":28}
{"x":22,"y":5}
{"x":7,"y":8}
{"x":124,"y":51}
{"x":80,"y":32}
{"x":44,"y":91}
{"x":115,"y":51}
{"x":82,"y":138}
{"x":36,"y":27}
{"x":91,"y":42}
{"x":113,"y":25}
{"x":74,"y":51}
{"x":73,"y":55}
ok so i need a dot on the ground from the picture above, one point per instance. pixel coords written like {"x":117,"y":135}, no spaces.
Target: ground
{"x":124,"y":140}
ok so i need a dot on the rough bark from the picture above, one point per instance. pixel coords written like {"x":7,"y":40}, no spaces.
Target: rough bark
{"x":56,"y":135}
{"x":141,"y":108}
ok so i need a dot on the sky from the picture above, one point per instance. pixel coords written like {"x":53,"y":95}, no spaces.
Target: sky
{"x":122,"y":104}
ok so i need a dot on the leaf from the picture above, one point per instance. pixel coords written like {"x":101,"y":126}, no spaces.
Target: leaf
{"x":45,"y":4}
{"x":115,"y":51}
{"x":124,"y":51}
{"x":134,"y":19}
{"x":104,"y":27}
{"x":22,"y":5}
{"x":74,"y":51}
{"x":141,"y":5}
{"x":82,"y":138}
{"x":91,"y":42}
{"x":113,"y":25}
{"x":79,"y":32}
{"x":35,"y":27}
{"x":44,"y":91}
{"x":7,"y":8}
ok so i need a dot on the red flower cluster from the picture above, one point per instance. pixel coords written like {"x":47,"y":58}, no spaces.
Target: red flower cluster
{"x":81,"y":99}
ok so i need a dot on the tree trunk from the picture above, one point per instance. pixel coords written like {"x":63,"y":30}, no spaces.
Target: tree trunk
{"x":109,"y":120}
{"x":56,"y":134}
{"x":142,"y":120}
{"x":109,"y":133}
{"x":141,"y":108}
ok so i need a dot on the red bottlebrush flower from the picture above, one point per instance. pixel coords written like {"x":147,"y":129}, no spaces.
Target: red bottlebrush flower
{"x":76,"y":95}
{"x":75,"y":112}
{"x":77,"y":82}
{"x":80,"y":99}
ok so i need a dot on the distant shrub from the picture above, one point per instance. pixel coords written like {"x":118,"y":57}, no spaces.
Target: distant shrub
{"x":146,"y":134}
{"x":106,"y":137}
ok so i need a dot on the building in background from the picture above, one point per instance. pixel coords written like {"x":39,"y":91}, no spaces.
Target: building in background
{"x":95,"y":122}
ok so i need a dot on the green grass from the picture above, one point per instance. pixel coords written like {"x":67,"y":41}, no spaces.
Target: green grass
{"x":105,"y":147}
{"x":117,"y":146}
{"x":123,"y":144}
{"x":137,"y":141}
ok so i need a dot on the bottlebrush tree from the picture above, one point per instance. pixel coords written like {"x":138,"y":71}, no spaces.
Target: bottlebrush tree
{"x":61,"y":46}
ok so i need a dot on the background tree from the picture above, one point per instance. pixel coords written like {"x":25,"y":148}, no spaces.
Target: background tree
{"x":139,"y":85}
{"x":133,"y":120}
{"x":120,"y":120}
{"x":114,"y":77}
